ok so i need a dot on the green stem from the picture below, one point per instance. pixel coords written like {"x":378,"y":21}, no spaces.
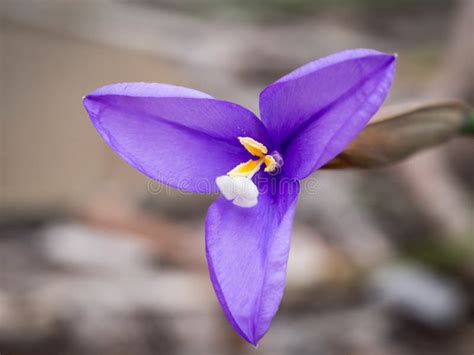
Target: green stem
{"x":468,"y":126}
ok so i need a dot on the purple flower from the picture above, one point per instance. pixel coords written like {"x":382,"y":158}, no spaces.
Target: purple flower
{"x":194,"y":142}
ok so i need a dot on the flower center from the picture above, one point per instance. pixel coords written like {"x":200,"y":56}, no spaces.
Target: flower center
{"x":237,"y":185}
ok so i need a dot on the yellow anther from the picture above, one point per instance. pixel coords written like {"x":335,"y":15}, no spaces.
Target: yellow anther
{"x":253,"y":147}
{"x":248,"y":168}
{"x":270,"y":163}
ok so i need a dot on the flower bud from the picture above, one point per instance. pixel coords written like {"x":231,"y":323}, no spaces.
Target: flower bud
{"x":399,"y":131}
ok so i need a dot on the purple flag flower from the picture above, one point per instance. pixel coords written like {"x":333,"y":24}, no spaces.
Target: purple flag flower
{"x":194,"y":142}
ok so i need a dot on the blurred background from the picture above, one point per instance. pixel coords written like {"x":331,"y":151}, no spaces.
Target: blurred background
{"x":97,"y":259}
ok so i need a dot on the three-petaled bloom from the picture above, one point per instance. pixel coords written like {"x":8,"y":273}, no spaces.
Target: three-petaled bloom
{"x":192,"y":141}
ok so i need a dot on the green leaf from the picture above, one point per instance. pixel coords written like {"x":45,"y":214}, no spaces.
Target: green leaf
{"x":468,"y":127}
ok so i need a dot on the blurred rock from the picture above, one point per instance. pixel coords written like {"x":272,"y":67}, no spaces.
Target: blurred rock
{"x":92,"y":291}
{"x":419,"y":295}
{"x":83,"y":248}
{"x":349,"y":330}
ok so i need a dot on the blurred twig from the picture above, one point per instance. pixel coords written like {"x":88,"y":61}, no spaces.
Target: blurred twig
{"x":173,"y":243}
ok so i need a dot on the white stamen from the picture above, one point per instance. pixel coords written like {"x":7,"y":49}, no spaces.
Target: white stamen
{"x":239,"y":189}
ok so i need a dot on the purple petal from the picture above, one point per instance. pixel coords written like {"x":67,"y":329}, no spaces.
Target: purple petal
{"x":247,"y":252}
{"x":316,"y":110}
{"x":178,"y":136}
